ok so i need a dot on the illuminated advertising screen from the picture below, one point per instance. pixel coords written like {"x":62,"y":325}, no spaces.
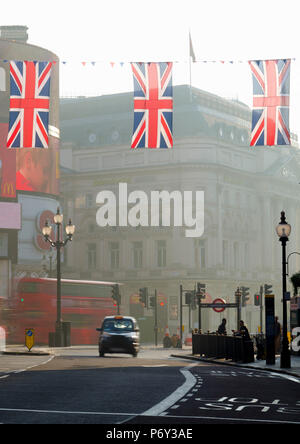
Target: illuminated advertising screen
{"x":8,"y":166}
{"x":28,"y":169}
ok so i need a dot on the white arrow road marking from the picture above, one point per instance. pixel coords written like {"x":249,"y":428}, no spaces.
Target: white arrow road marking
{"x":179,"y":393}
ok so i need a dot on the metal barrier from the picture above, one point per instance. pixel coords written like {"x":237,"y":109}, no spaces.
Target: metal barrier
{"x":2,"y":339}
{"x":235,"y":348}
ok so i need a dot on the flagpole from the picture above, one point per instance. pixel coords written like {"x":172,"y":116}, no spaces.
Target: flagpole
{"x":191,"y":56}
{"x":190,"y":62}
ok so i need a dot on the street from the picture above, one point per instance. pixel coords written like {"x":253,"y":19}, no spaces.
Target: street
{"x":78,"y":387}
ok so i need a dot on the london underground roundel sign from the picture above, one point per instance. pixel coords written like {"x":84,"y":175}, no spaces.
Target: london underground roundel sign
{"x":219,"y":301}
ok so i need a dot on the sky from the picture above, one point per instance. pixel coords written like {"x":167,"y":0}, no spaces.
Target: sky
{"x":123,"y":31}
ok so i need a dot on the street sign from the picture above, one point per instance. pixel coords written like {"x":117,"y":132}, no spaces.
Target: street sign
{"x":29,"y":338}
{"x":220,"y":302}
{"x":295,"y":303}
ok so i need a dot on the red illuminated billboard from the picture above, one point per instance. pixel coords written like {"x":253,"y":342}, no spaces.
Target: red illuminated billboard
{"x":28,"y":169}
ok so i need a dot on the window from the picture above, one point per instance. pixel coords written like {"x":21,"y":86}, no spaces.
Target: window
{"x":236,"y":255}
{"x":4,"y":244}
{"x":114,"y":255}
{"x":118,"y":325}
{"x":91,"y":256}
{"x":200,"y":253}
{"x":137,"y":254}
{"x":246,"y":256}
{"x":91,"y":228}
{"x":225,"y":254}
{"x":161,"y":246}
{"x":89,"y":200}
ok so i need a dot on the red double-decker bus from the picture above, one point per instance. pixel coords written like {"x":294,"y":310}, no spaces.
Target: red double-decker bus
{"x":84,"y":304}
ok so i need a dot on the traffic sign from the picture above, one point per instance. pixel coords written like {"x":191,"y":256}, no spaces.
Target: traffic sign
{"x":29,"y":338}
{"x":220,"y":302}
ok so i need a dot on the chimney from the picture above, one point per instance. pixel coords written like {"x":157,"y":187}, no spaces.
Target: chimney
{"x":16,"y":33}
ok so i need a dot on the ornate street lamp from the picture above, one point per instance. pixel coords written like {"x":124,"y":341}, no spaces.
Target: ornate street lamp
{"x":58,"y":244}
{"x":283,"y":230}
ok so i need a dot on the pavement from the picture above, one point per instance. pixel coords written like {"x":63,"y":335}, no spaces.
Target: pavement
{"x":257,"y":364}
{"x":184,"y":352}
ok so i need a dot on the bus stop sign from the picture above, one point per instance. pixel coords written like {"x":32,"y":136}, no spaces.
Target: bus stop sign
{"x":29,"y":338}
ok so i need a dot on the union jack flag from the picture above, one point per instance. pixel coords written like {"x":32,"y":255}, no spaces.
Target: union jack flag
{"x":271,"y":99}
{"x":153,"y":105}
{"x":29,"y":104}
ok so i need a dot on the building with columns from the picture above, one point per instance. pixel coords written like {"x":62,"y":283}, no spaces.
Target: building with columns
{"x":245,"y":189}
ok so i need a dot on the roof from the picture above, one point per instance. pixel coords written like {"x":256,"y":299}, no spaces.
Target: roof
{"x":108,"y":119}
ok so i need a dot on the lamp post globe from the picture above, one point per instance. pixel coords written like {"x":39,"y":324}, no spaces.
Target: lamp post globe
{"x":283,"y":229}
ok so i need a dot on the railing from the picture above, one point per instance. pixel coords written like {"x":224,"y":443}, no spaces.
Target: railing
{"x":2,"y":339}
{"x":235,"y":348}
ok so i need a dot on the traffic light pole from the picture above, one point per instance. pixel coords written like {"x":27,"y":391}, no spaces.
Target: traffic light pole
{"x":155,"y":317}
{"x":285,"y":358}
{"x":199,"y":314}
{"x":261,"y":309}
{"x":180,"y":313}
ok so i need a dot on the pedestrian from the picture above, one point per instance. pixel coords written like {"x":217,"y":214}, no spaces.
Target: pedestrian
{"x":277,"y":335}
{"x":222,"y":328}
{"x":243,"y":331}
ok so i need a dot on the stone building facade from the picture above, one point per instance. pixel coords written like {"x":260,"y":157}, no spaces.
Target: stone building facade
{"x":245,"y":189}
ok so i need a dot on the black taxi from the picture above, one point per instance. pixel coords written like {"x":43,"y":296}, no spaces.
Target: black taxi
{"x":119,"y":334}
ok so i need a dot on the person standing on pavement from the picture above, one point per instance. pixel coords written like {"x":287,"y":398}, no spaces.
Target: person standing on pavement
{"x":277,"y":335}
{"x":243,"y":331}
{"x":222,"y":328}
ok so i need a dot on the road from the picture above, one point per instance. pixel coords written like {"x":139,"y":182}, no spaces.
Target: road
{"x":79,"y":387}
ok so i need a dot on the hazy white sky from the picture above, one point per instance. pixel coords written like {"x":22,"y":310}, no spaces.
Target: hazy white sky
{"x":139,"y":30}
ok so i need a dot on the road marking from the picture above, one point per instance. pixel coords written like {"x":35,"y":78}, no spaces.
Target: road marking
{"x":165,"y":414}
{"x":26,"y":368}
{"x":290,"y":378}
{"x":166,"y":403}
{"x":158,"y":365}
{"x":66,"y":412}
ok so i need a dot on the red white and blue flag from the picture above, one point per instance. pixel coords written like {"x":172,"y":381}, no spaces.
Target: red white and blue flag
{"x":153,"y":105}
{"x":271,"y":100}
{"x":29,"y":104}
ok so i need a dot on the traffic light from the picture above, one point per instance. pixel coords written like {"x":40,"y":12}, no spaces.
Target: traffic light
{"x":238,"y":295}
{"x":152,"y":301}
{"x":201,"y":288}
{"x":245,"y":295}
{"x":257,"y":299}
{"x":188,"y":298}
{"x":143,"y":296}
{"x":116,"y":297}
{"x":193,"y":300}
{"x":116,"y":294}
{"x":268,"y":289}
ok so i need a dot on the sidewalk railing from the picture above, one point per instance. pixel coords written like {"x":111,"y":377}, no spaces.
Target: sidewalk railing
{"x":235,"y":348}
{"x":2,"y":339}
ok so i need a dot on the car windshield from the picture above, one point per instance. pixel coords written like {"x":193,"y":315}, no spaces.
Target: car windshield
{"x":118,"y":325}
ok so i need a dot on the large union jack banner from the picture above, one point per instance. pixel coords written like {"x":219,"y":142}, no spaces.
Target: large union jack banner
{"x":271,"y":99}
{"x":29,"y":104}
{"x":153,"y":105}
